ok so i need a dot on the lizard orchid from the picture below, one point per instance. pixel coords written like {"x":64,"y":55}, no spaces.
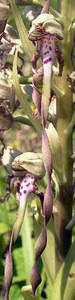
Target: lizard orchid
{"x":25,"y":166}
{"x":29,"y":167}
{"x":24,"y":187}
{"x":46,"y":33}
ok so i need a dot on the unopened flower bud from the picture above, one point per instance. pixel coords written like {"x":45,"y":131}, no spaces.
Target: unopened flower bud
{"x":56,"y":151}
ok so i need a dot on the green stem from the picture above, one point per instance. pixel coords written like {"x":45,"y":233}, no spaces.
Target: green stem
{"x":65,"y":111}
{"x":68,"y":12}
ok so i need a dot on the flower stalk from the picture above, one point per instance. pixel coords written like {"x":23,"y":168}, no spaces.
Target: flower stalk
{"x":65,"y":111}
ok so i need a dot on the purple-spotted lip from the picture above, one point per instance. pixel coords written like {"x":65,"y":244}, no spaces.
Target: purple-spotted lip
{"x":47,"y":60}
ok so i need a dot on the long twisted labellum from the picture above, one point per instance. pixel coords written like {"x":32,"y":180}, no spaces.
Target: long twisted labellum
{"x":27,"y":185}
{"x":46,"y":153}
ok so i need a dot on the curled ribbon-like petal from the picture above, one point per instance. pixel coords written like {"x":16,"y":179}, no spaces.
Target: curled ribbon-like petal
{"x":26,"y":186}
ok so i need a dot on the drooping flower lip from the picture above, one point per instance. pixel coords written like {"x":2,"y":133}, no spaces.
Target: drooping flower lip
{"x":45,"y":23}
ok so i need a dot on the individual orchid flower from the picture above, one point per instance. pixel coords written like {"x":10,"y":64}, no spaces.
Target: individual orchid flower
{"x":9,"y":43}
{"x":7,"y":95}
{"x":10,"y":40}
{"x":25,"y":186}
{"x":32,"y":168}
{"x":46,"y":33}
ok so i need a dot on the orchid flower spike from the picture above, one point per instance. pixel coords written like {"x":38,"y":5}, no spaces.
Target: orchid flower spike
{"x":46,"y":33}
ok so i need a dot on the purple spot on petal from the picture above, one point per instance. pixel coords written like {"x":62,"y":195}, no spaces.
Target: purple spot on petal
{"x":28,"y":184}
{"x":20,"y":194}
{"x":47,"y":52}
{"x":47,"y":60}
{"x":24,"y":191}
{"x":50,"y":48}
{"x":21,"y":187}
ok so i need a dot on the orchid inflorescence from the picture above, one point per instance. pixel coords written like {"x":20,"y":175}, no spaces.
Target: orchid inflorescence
{"x":46,"y":33}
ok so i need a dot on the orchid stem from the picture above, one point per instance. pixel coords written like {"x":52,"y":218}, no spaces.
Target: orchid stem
{"x":65,"y":111}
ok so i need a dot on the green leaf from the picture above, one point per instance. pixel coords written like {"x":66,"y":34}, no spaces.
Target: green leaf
{"x":64,"y":286}
{"x":4,"y":228}
{"x":54,"y":4}
{"x":19,"y":272}
{"x":15,"y":293}
{"x":27,"y":45}
{"x":22,"y":97}
{"x":22,"y":120}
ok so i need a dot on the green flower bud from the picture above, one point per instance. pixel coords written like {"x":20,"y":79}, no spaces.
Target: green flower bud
{"x":31,"y":162}
{"x":56,"y":152}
